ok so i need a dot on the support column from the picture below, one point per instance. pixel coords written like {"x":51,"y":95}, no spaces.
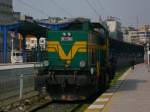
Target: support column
{"x":16,"y":40}
{"x":20,"y":41}
{"x":38,"y":50}
{"x":24,"y":47}
{"x":4,"y":44}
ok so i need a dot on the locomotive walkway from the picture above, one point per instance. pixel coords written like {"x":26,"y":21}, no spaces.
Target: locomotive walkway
{"x":131,"y":96}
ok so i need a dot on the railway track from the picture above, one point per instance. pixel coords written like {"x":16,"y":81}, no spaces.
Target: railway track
{"x":59,"y":107}
{"x":65,"y":106}
{"x":77,"y":106}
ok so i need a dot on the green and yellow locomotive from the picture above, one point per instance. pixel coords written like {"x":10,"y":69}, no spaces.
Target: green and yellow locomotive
{"x":79,"y":63}
{"x":77,"y":60}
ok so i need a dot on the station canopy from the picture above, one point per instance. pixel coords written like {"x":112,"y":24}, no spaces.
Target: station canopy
{"x":32,"y":28}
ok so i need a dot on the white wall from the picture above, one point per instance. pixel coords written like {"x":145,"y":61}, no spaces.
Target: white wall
{"x":112,"y":26}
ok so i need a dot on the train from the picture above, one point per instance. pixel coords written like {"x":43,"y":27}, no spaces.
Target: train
{"x":82,"y":59}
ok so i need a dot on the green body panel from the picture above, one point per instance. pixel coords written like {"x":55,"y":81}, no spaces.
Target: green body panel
{"x":102,"y":57}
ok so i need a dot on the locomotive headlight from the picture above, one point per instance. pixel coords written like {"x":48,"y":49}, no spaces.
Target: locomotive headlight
{"x":82,"y":63}
{"x":69,"y":34}
{"x":92,"y":70}
{"x":64,"y":34}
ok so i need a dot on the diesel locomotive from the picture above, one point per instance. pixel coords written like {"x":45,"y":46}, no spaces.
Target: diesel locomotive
{"x":82,"y":59}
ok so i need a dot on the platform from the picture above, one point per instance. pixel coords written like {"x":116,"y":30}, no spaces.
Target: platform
{"x":16,"y":65}
{"x":130,"y":94}
{"x":16,"y":69}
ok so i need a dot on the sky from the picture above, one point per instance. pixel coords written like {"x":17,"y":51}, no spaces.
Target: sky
{"x":131,"y":12}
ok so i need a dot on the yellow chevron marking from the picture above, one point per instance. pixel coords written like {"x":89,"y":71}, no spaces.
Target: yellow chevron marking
{"x":54,"y":46}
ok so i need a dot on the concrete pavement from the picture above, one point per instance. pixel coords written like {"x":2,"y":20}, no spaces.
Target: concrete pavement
{"x":134,"y":93}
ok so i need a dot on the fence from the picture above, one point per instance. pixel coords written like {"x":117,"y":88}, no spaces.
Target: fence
{"x":29,"y":56}
{"x":1,"y":56}
{"x":10,"y":86}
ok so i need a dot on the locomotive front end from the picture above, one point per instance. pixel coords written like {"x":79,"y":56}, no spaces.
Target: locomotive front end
{"x":68,"y":63}
{"x":77,"y":57}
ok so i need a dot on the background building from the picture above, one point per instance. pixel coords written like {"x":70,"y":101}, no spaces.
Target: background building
{"x":144,"y":34}
{"x":114,"y":27}
{"x":137,"y":36}
{"x":6,"y":12}
{"x":133,"y":36}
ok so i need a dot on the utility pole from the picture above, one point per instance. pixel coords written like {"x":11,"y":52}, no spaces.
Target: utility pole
{"x":148,"y":56}
{"x":137,"y":22}
{"x":138,"y":29}
{"x":12,"y":47}
{"x":148,"y":53}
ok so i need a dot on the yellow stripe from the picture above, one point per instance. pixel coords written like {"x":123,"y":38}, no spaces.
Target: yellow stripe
{"x":98,"y":68}
{"x":54,"y":46}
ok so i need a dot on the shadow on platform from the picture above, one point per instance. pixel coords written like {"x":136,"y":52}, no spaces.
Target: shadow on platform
{"x":131,"y":84}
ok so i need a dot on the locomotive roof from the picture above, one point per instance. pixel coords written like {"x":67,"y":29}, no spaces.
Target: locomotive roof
{"x":82,"y":24}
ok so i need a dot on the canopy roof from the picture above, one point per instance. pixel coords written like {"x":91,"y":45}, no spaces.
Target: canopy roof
{"x":32,"y":28}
